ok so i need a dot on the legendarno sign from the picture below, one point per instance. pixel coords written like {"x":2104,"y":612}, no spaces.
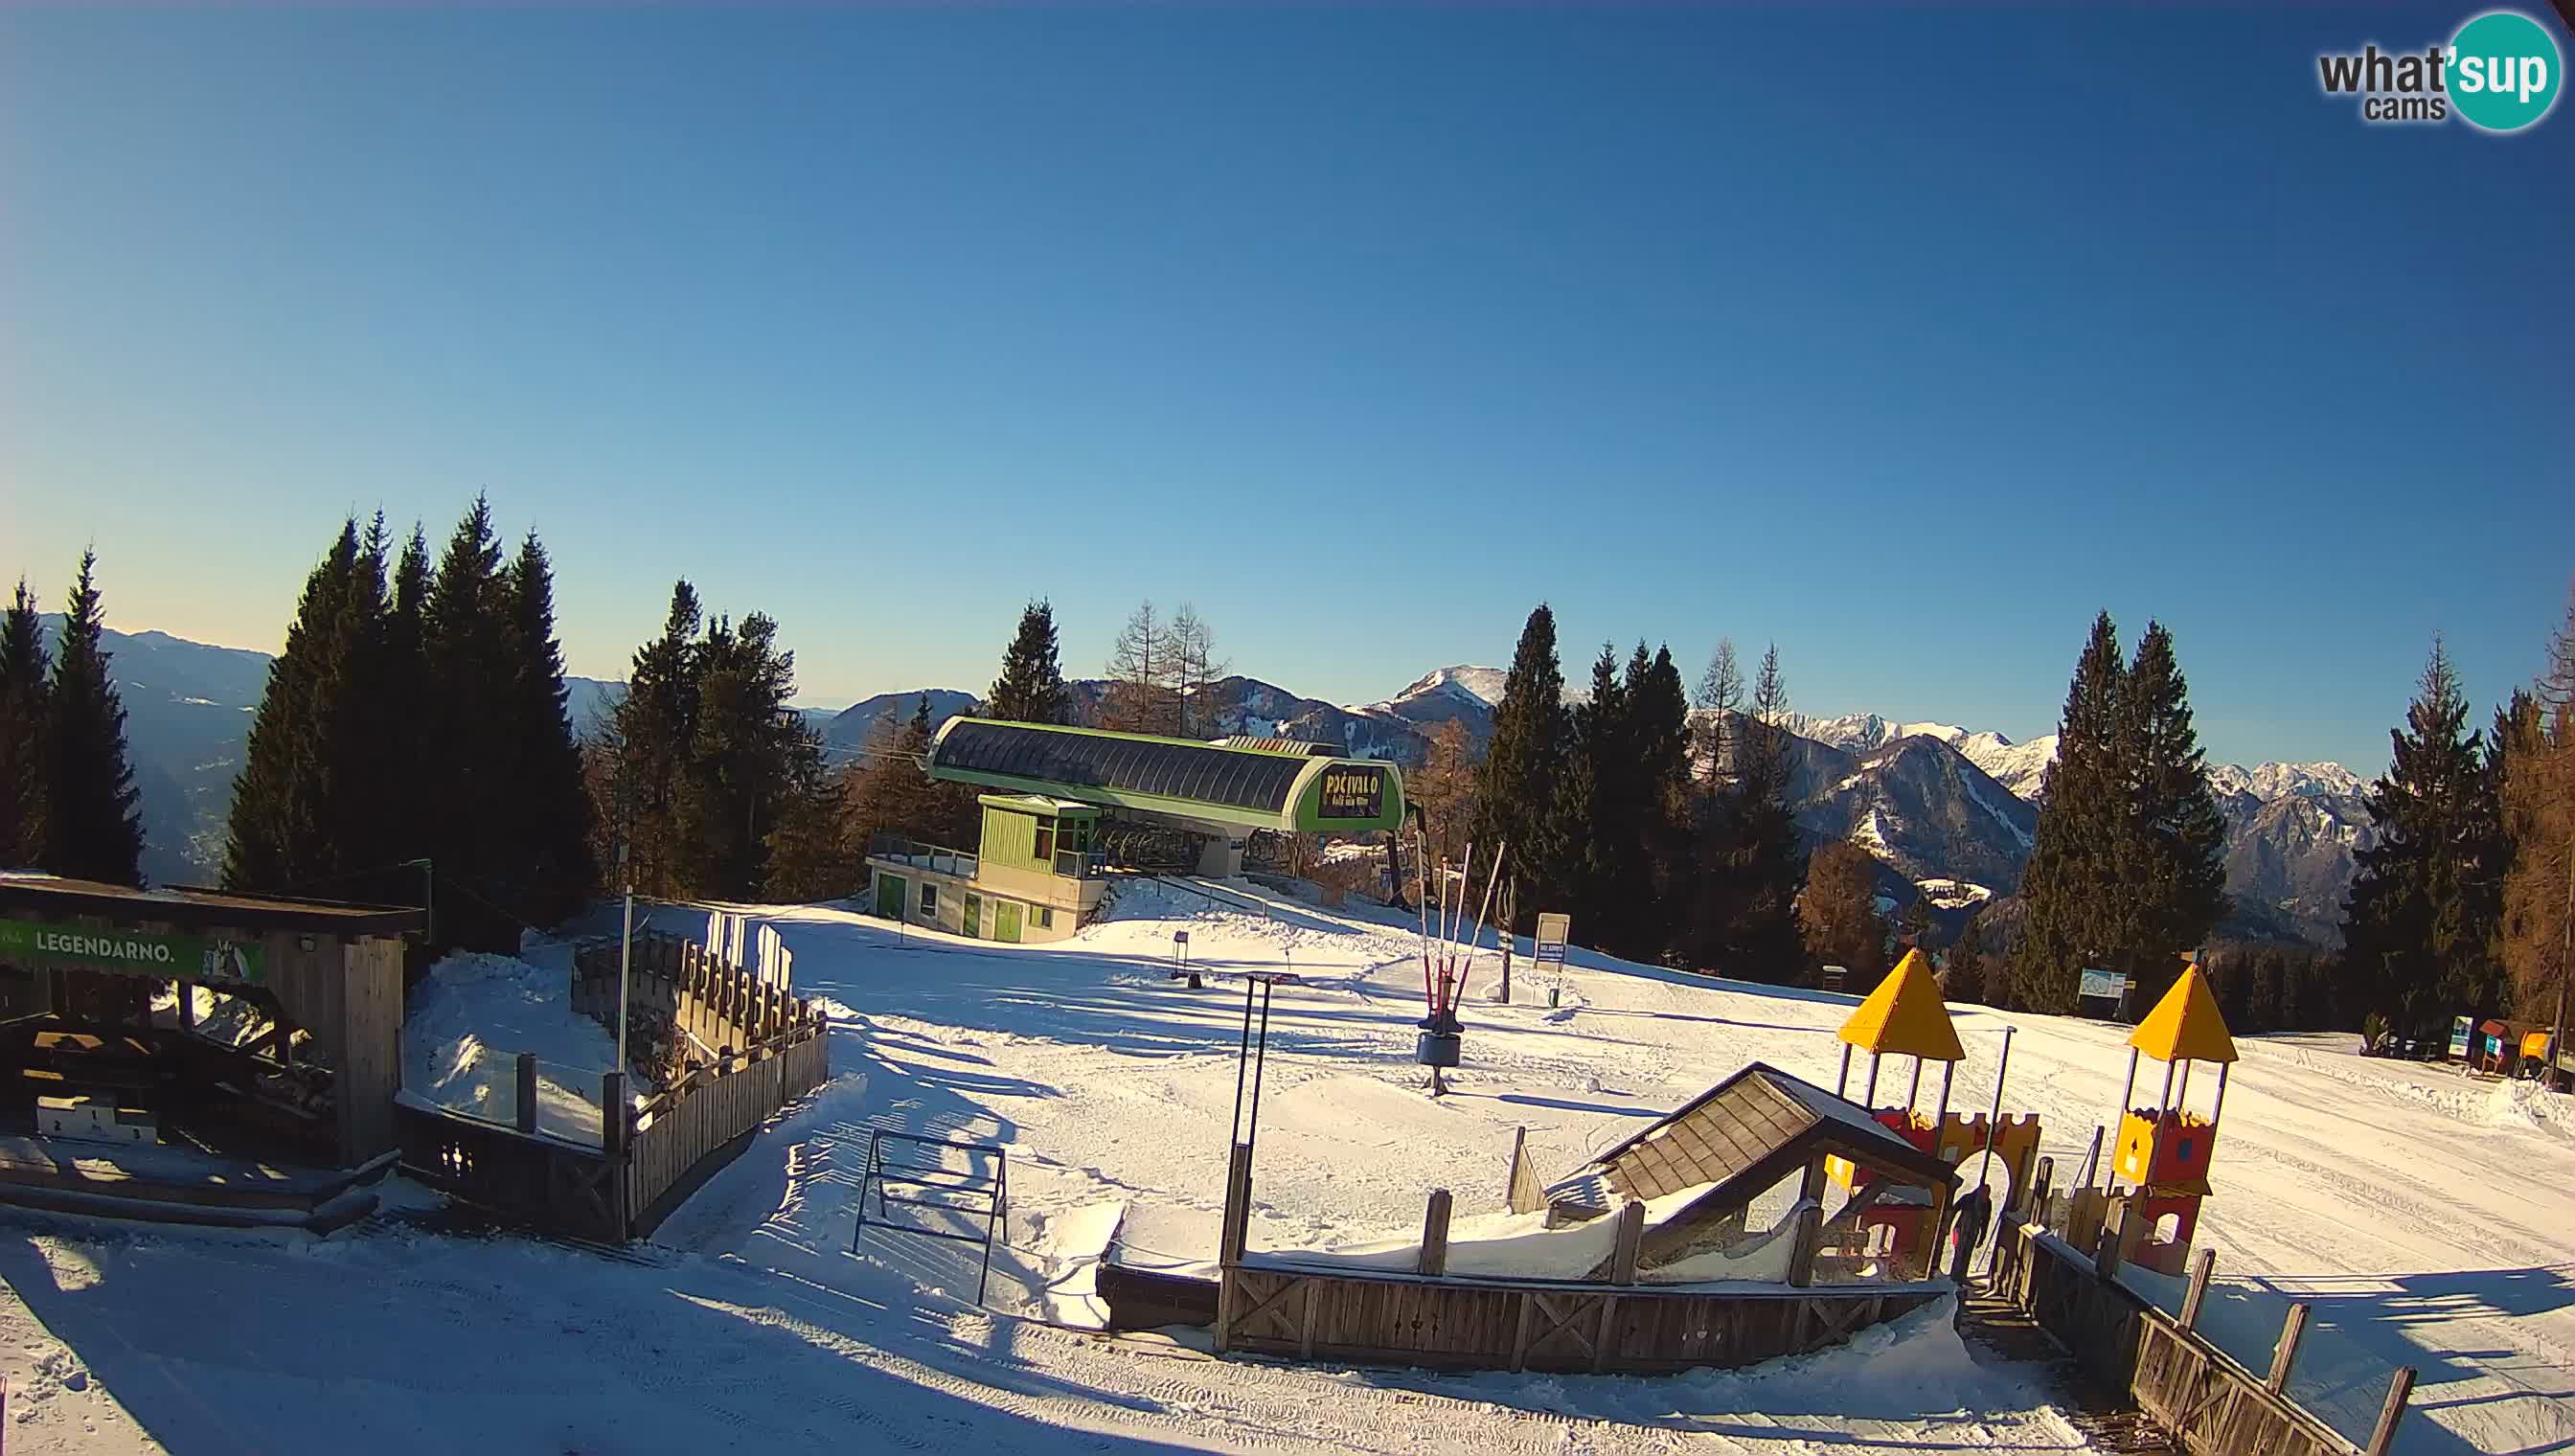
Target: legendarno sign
{"x":136,"y":953}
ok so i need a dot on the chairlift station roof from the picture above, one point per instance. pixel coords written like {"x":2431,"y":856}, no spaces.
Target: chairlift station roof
{"x":1172,"y":778}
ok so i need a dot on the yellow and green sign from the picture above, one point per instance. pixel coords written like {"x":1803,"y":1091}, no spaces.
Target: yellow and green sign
{"x":136,"y":953}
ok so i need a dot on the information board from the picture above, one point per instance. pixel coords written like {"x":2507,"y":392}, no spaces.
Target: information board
{"x":135,"y":953}
{"x":2460,"y":1030}
{"x":1352,"y":792}
{"x":2108,"y":986}
{"x":1552,"y":932}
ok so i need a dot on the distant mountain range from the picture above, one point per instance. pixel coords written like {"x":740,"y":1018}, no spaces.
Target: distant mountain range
{"x":1945,"y":809}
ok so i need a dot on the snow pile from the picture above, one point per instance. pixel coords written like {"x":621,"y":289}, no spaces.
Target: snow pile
{"x":2521,"y":1103}
{"x":470,"y":1018}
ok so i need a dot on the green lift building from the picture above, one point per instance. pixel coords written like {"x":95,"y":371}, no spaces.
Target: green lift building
{"x":1034,"y":874}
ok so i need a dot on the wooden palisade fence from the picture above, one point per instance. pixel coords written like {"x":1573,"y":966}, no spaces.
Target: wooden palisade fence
{"x":748,"y":1051}
{"x":1438,"y":1320}
{"x":2212,"y":1404}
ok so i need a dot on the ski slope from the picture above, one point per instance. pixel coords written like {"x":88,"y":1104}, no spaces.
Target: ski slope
{"x":2426,"y":1218}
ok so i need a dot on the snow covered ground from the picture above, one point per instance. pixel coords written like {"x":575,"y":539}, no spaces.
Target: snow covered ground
{"x":2425,"y":1216}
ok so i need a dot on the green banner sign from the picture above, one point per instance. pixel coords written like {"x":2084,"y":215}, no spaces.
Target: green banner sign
{"x":209,"y":958}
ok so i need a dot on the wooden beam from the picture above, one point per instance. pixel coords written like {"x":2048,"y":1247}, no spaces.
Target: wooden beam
{"x":1434,"y":1235}
{"x":1632,"y":1234}
{"x":1601,"y":1338}
{"x":2399,"y":1391}
{"x":1520,"y":1335}
{"x":2201,"y":1267}
{"x":527,"y":1109}
{"x":2284,"y":1354}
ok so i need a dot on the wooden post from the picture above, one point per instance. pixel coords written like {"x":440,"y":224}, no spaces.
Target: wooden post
{"x":527,"y":1109}
{"x":187,"y":1006}
{"x":2039,"y":1190}
{"x":2285,"y":1353}
{"x":616,"y":1144}
{"x":2399,"y":1391}
{"x":2200,"y":1268}
{"x":1237,"y":1200}
{"x":1810,"y":1225}
{"x":1632,"y":1234}
{"x":1434,"y":1235}
{"x":2105,"y":1245}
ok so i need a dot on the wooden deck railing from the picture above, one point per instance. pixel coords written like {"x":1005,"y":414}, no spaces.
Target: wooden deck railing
{"x":2212,"y":1404}
{"x":737,"y":1052}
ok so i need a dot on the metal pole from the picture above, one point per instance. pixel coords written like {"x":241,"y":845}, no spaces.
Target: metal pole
{"x":1242,"y":1064}
{"x":1842,"y":1080}
{"x":1913,"y":1088}
{"x":1869,"y":1099}
{"x":1259,"y":1061}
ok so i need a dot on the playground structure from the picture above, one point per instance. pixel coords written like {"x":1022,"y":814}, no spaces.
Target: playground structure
{"x":1053,"y":795}
{"x":2161,"y":1163}
{"x":1905,"y":1017}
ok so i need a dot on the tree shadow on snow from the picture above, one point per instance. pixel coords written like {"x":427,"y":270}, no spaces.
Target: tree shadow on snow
{"x":220,"y":1344}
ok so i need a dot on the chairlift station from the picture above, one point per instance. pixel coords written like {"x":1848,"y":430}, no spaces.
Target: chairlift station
{"x":1037,"y":871}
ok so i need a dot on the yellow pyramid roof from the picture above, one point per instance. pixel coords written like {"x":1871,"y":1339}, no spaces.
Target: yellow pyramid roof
{"x":2186,"y":1024}
{"x":1905,"y":1015}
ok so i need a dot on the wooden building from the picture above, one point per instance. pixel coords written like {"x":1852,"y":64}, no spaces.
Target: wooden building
{"x":102,"y":1037}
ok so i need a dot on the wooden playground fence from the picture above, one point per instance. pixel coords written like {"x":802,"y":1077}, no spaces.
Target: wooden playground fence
{"x":2210,"y":1403}
{"x":1394,"y":1318}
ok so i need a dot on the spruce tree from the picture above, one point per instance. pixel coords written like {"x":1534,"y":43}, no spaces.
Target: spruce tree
{"x":1591,"y":817}
{"x":2079,"y":852}
{"x":408,"y":793}
{"x":2426,"y":898}
{"x":2173,"y":885}
{"x":92,"y":828}
{"x":285,"y":824}
{"x":1965,"y":978}
{"x":1516,"y":787}
{"x":25,"y":666}
{"x":1031,"y":688}
{"x":550,"y":865}
{"x":651,"y":730}
{"x":470,"y":748}
{"x":1659,"y":739}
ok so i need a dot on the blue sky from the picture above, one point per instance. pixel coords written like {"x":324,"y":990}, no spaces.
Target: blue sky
{"x":1906,"y":339}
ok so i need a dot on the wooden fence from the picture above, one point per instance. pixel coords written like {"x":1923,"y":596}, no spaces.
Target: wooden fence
{"x":1500,"y":1324}
{"x":757,"y":1049}
{"x":2212,"y":1404}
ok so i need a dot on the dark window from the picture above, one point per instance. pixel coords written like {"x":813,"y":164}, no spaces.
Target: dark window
{"x":1044,"y":916}
{"x":929,"y":901}
{"x":1046,"y":842}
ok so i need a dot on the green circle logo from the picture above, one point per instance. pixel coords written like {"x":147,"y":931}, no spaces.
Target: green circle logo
{"x":2505,"y":71}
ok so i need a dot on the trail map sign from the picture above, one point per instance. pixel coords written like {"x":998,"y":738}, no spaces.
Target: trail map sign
{"x":2108,"y":986}
{"x":135,"y":953}
{"x":2461,"y":1030}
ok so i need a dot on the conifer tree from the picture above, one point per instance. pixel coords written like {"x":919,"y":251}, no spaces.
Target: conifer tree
{"x":2174,"y":889}
{"x":651,"y":730}
{"x":1720,"y":698}
{"x":1516,"y":787}
{"x":1031,"y":688}
{"x":2078,"y":855}
{"x":25,"y":667}
{"x":471,"y":712}
{"x":1592,"y":820}
{"x":551,"y":869}
{"x":1963,"y":980}
{"x":286,"y":827}
{"x":2426,"y":898}
{"x":92,"y":828}
{"x":1659,"y":739}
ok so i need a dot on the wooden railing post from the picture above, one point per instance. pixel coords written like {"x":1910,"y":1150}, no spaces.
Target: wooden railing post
{"x":1434,"y":1235}
{"x":527,"y":1108}
{"x":2038,"y":1190}
{"x":2201,"y":1267}
{"x":1632,"y":1237}
{"x":2285,"y":1353}
{"x":2399,"y":1391}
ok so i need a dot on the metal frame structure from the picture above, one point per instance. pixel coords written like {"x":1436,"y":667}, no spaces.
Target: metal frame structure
{"x":995,"y":1192}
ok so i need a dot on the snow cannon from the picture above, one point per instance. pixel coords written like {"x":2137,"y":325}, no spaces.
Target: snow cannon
{"x":1905,"y":1017}
{"x":2163,"y":1151}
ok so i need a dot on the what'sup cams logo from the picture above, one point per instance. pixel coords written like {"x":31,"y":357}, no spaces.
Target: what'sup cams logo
{"x":2500,"y":73}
